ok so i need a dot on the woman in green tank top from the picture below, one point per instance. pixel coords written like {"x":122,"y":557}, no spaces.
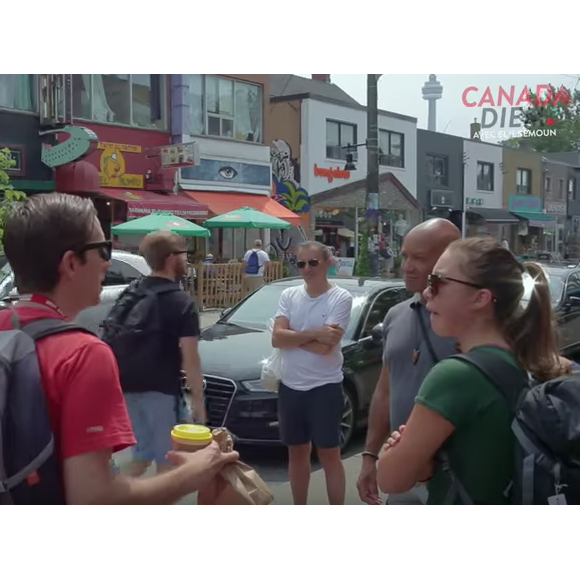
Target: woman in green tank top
{"x":332,"y":269}
{"x":474,"y":295}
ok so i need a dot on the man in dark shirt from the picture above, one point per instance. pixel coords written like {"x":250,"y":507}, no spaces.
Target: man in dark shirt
{"x":155,"y":412}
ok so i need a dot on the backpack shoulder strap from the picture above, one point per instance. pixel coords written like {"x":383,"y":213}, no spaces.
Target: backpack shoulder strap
{"x":508,"y":379}
{"x":43,"y":327}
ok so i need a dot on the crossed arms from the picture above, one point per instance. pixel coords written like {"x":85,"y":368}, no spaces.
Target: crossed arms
{"x":321,"y":340}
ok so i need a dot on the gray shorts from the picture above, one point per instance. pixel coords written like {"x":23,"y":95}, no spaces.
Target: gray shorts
{"x":311,"y":416}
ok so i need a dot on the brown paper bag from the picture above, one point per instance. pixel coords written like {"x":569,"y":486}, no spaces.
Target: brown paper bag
{"x":237,"y":484}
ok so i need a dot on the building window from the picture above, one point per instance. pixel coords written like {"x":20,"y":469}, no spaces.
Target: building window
{"x":338,"y":137}
{"x":485,"y":176}
{"x":524,"y":180}
{"x":438,"y":170}
{"x":19,"y":92}
{"x":571,"y":189}
{"x":548,"y":185}
{"x":222,"y":107}
{"x":135,"y":100}
{"x":392,"y":149}
{"x":560,"y":189}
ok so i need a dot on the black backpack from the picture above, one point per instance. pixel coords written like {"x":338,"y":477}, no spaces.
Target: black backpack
{"x":30,"y":473}
{"x":134,"y":331}
{"x":547,"y":431}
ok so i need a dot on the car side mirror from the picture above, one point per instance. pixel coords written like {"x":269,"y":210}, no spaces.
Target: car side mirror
{"x":225,"y":312}
{"x":377,"y":333}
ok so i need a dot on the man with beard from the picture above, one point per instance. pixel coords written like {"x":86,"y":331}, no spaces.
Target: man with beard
{"x":153,"y":331}
{"x":410,"y":350}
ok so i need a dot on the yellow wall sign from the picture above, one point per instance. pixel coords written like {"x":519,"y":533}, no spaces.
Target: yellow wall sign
{"x":112,"y":166}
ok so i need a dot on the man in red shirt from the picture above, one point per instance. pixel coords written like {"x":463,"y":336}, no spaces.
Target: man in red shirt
{"x":59,"y":256}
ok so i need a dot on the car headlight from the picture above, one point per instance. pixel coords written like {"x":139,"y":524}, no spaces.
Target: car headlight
{"x":255,"y":386}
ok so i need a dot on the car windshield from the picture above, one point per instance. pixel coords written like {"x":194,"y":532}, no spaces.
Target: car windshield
{"x":259,"y":308}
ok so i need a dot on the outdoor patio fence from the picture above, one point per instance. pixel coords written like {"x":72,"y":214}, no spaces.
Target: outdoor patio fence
{"x":222,"y":285}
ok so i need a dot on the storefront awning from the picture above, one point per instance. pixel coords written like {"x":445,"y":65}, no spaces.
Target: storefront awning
{"x":141,"y":203}
{"x":536,"y":219}
{"x":220,"y":203}
{"x":494,"y":216}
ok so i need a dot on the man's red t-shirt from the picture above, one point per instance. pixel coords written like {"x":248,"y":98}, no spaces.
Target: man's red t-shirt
{"x":80,"y":379}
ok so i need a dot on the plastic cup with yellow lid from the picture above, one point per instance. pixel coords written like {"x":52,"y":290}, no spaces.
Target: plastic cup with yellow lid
{"x":191,"y":437}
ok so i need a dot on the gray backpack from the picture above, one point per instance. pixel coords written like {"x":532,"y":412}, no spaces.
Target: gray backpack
{"x":29,"y":471}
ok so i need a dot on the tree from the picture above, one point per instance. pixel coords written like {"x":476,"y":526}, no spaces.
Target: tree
{"x":8,"y":194}
{"x":558,"y":110}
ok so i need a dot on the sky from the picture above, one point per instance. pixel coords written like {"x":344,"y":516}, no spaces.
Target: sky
{"x":402,"y":94}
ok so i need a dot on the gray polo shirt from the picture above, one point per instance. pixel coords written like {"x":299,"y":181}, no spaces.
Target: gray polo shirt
{"x":407,"y":356}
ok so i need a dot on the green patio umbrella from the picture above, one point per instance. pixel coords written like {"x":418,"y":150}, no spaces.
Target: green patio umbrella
{"x":160,"y":220}
{"x":248,"y":219}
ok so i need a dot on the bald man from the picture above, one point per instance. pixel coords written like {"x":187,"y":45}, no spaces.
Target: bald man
{"x":410,"y":350}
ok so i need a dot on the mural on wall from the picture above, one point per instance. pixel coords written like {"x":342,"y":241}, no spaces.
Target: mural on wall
{"x":288,"y":192}
{"x":227,"y":172}
{"x":286,"y":179}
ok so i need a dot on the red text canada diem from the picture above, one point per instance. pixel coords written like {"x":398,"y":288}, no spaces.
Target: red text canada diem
{"x":515,"y":97}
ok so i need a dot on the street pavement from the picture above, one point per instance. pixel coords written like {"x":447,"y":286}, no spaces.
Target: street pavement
{"x":271,"y":462}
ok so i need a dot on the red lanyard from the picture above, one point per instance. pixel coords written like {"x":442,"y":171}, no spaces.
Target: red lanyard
{"x":43,"y":301}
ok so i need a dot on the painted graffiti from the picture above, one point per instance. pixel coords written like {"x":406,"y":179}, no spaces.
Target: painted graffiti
{"x":286,"y":179}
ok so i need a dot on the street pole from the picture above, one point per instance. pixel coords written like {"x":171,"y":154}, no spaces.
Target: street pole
{"x":372,"y":196}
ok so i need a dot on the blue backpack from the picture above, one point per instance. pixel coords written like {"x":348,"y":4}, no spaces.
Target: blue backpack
{"x":253,"y":263}
{"x":30,"y":473}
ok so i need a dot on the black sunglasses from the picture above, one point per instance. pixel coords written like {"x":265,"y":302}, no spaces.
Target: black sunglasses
{"x":311,"y":263}
{"x":435,"y":281}
{"x":105,"y":249}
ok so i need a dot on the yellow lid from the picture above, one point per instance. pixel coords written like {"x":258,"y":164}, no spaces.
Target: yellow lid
{"x":193,"y":433}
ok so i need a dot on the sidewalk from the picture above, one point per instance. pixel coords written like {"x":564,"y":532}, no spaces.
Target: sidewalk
{"x":209,"y":317}
{"x":317,"y":495}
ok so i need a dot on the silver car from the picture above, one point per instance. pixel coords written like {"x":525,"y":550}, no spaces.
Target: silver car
{"x":125,"y":267}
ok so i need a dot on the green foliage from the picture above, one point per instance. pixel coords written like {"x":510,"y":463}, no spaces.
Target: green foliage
{"x":562,"y":114}
{"x":296,"y":200}
{"x":363,"y":265}
{"x":8,"y":194}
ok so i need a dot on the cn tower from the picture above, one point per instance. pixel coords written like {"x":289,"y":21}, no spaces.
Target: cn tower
{"x":432,"y":92}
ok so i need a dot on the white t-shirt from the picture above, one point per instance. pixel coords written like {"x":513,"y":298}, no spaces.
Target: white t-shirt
{"x":263,"y":258}
{"x":303,"y":370}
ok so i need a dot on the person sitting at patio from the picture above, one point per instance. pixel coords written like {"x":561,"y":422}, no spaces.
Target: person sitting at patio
{"x":255,"y":263}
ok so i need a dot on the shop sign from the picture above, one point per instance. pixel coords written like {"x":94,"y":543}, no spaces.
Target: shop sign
{"x":475,"y":201}
{"x":525,"y":203}
{"x":80,"y":143}
{"x":16,"y":154}
{"x":112,"y":169}
{"x":331,"y":173}
{"x":556,"y":208}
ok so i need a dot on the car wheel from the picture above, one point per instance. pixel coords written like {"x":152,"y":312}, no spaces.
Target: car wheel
{"x":348,"y":422}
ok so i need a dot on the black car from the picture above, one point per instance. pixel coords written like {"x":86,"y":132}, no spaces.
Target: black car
{"x":564,"y":281}
{"x":232,"y":352}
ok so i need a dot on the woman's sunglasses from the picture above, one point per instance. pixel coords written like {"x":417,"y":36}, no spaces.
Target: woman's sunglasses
{"x":105,"y":249}
{"x":435,"y":281}
{"x":311,"y":263}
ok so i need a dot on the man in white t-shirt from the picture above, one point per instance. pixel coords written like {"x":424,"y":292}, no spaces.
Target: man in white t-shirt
{"x":309,"y":326}
{"x":255,"y":263}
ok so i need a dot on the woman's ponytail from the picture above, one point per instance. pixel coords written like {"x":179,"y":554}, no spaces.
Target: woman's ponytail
{"x":533,"y":333}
